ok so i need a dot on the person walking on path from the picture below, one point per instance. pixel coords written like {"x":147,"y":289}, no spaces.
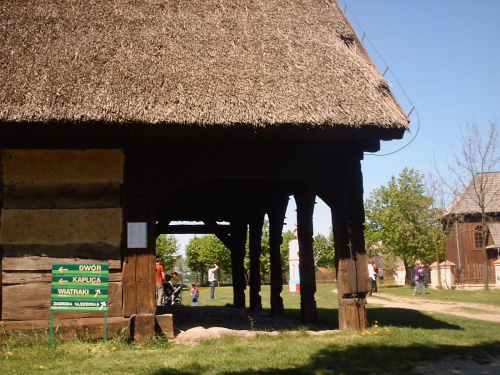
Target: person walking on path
{"x":418,"y":276}
{"x":195,"y":294}
{"x":160,"y":280}
{"x":212,"y":280}
{"x":373,"y":277}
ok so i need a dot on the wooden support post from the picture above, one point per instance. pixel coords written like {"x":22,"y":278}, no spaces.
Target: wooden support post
{"x":138,"y":272}
{"x":1,"y":244}
{"x":238,"y":248}
{"x":348,"y":218}
{"x":140,"y":327}
{"x":145,"y":271}
{"x":305,"y":200}
{"x":235,"y":241}
{"x":276,"y":215}
{"x":256,"y":224}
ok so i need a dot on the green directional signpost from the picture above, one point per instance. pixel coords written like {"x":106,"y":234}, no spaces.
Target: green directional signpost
{"x":79,"y":287}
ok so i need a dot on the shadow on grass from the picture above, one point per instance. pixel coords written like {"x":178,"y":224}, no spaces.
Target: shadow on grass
{"x":395,"y":317}
{"x":186,"y":317}
{"x":398,"y":317}
{"x":364,"y":359}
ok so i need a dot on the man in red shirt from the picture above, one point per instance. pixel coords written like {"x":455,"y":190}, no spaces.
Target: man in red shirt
{"x":160,"y":279}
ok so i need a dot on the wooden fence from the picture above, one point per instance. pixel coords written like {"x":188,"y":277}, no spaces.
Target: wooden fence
{"x":474,"y":274}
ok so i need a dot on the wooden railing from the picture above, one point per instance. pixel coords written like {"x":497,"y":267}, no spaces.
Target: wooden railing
{"x":474,"y":274}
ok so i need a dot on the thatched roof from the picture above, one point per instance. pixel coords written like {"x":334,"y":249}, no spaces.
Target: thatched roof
{"x":198,"y":62}
{"x":467,"y":202}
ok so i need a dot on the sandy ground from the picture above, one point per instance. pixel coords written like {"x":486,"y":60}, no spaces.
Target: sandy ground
{"x":465,"y":310}
{"x":195,"y":324}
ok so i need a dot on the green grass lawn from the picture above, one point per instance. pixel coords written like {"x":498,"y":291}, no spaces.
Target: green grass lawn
{"x":401,"y":339}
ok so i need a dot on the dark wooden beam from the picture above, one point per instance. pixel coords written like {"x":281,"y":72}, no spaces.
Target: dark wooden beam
{"x":256,"y":224}
{"x":305,"y":200}
{"x":276,"y":214}
{"x":238,"y":249}
{"x":348,"y":216}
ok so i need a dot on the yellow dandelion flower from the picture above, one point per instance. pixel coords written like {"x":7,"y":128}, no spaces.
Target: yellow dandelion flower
{"x":113,"y":349}
{"x":376,"y":326}
{"x":42,"y":367}
{"x":14,"y":370}
{"x":376,"y":333}
{"x":376,"y":321}
{"x":10,"y":353}
{"x":94,"y":350}
{"x":363,"y":334}
{"x":117,"y":363}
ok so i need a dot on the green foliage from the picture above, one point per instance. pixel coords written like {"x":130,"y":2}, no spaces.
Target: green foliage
{"x":324,"y":251}
{"x":285,"y":251}
{"x":402,"y":218}
{"x":167,"y":248}
{"x":201,"y":252}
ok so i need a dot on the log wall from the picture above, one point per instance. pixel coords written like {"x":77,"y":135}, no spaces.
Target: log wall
{"x":57,"y":206}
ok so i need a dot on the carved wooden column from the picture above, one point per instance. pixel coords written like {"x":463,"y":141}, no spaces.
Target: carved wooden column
{"x":305,"y":200}
{"x":238,"y":248}
{"x":276,"y":215}
{"x":138,"y":273}
{"x":255,"y":238}
{"x":348,"y":217}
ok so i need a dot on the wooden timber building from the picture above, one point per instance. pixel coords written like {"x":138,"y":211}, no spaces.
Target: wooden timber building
{"x":155,"y":111}
{"x":464,"y":221}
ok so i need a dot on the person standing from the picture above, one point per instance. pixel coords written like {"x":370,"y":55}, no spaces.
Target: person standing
{"x":160,"y":279}
{"x":381,"y":275}
{"x":212,"y":280}
{"x":373,"y":277}
{"x":418,"y":276}
{"x":195,"y":294}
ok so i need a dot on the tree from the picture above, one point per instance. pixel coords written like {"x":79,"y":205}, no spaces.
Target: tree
{"x":265,"y":254}
{"x":478,"y":157}
{"x":400,"y":217}
{"x":167,"y":248}
{"x":438,"y":233}
{"x":201,"y":252}
{"x":324,"y":251}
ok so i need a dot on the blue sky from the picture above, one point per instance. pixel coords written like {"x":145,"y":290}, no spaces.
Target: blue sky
{"x":446,"y":56}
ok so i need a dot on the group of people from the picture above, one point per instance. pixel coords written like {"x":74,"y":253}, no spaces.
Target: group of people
{"x":165,"y":284}
{"x":374,"y":271}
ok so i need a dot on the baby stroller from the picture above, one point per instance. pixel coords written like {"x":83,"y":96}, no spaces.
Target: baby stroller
{"x":175,"y":297}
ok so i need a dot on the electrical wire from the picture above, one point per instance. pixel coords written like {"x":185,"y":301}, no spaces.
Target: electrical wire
{"x":387,"y":68}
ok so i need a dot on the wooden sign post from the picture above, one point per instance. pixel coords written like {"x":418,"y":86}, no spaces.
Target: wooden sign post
{"x":79,"y":287}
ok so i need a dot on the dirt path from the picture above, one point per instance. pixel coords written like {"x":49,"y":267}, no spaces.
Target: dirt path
{"x":466,"y":310}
